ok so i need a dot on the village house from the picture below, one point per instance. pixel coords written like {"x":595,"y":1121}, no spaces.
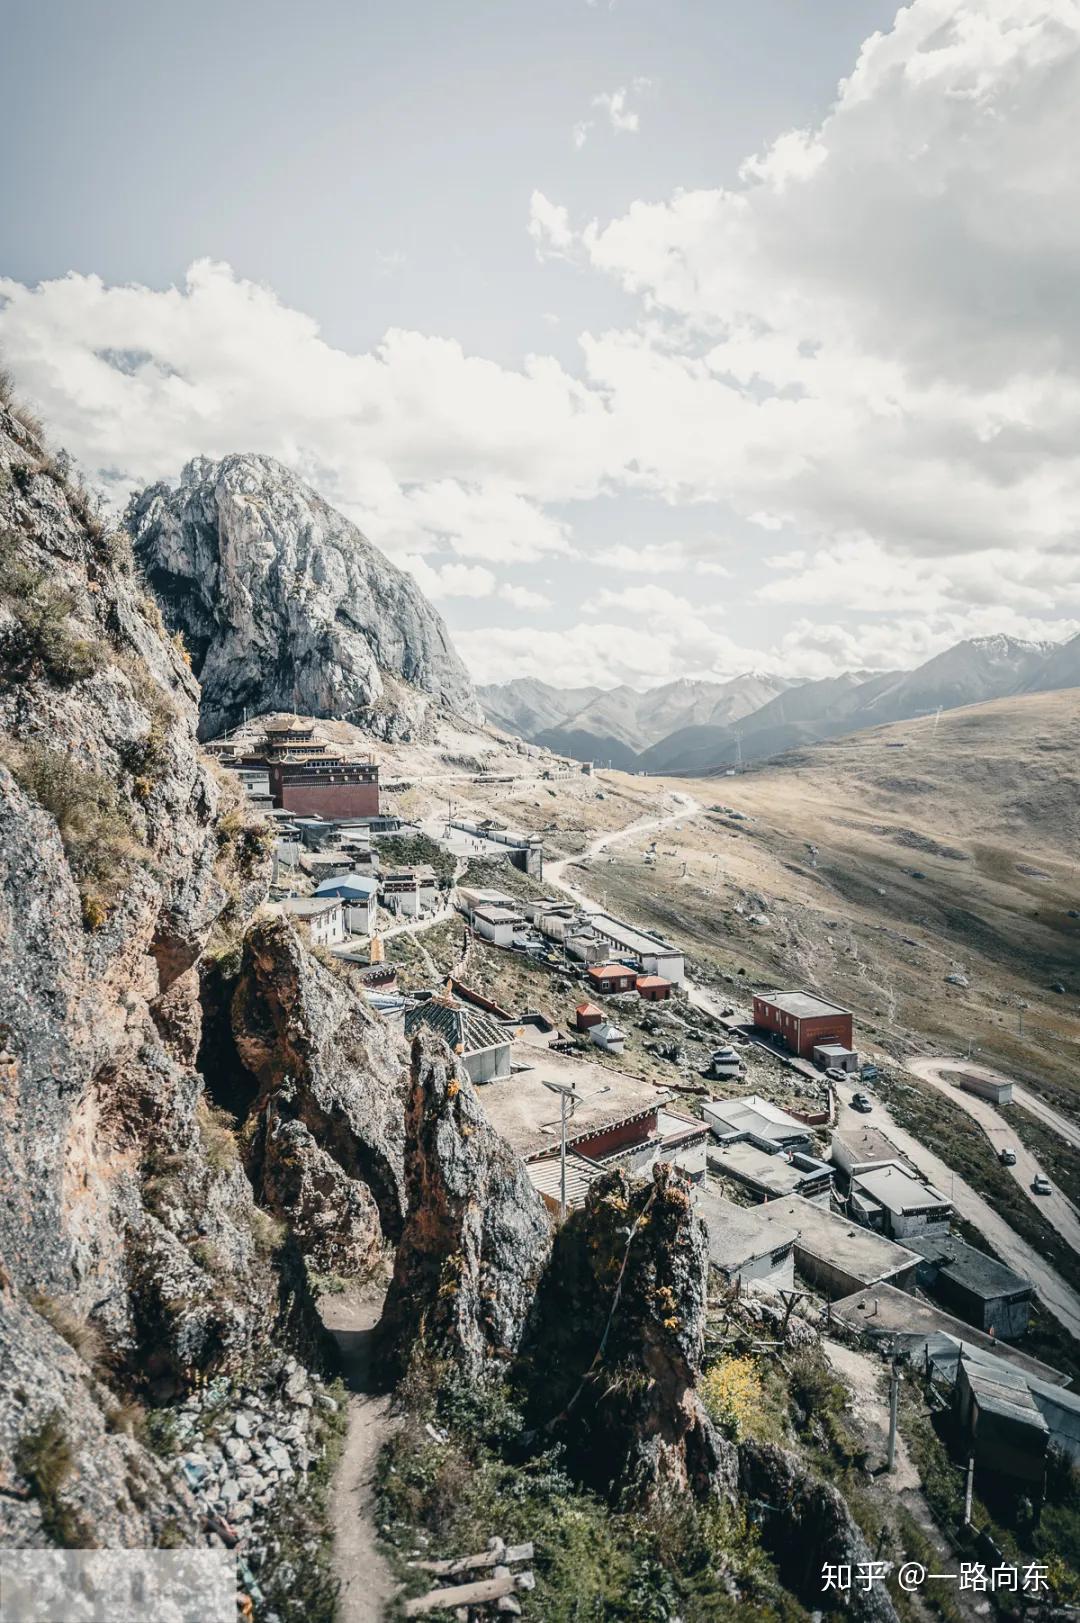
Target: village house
{"x":897,"y":1202}
{"x":587,"y":1015}
{"x":1004,"y":1428}
{"x":651,"y":953}
{"x":744,"y":1246}
{"x":360,"y":898}
{"x":325,"y":864}
{"x":756,"y":1121}
{"x":616,"y":1119}
{"x":497,"y":922}
{"x":479,"y":1042}
{"x":608,"y":1036}
{"x":973,"y":1285}
{"x":835,"y":1255}
{"x":546,"y":1178}
{"x":927,"y":1335}
{"x":771,"y":1174}
{"x":803,"y":1021}
{"x":606,"y":979}
{"x":323,"y":916}
{"x":408,"y":891}
{"x":652,"y":988}
{"x":862,"y":1149}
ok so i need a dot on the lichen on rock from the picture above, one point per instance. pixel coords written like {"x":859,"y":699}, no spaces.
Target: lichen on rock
{"x":477,"y":1235}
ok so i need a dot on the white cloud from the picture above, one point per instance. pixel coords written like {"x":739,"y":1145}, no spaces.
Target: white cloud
{"x":580,"y":132}
{"x":449,"y":580}
{"x":549,"y":227}
{"x":623,"y":119}
{"x":523,"y":597}
{"x":868,"y":347}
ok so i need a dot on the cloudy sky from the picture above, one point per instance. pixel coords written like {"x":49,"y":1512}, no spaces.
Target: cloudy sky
{"x":656,"y":337}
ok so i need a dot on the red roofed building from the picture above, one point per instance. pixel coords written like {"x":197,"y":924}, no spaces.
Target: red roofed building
{"x":653,"y":988}
{"x":608,"y":978}
{"x":587,"y":1015}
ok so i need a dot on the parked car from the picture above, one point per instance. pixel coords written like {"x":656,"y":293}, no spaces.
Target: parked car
{"x":869,"y":1073}
{"x":1007,"y":1157}
{"x":835,"y":1074}
{"x":860,"y":1102}
{"x":1041,"y":1185}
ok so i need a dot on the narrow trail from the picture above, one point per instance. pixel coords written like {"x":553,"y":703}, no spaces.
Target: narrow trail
{"x":367,"y":1584}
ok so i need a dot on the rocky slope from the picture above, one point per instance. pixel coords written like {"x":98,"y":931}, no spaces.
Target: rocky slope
{"x":284,"y":605}
{"x":159,"y":1349}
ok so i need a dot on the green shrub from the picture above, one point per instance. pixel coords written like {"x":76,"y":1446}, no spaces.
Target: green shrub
{"x":100,"y":846}
{"x":41,"y":635}
{"x":44,"y":1458}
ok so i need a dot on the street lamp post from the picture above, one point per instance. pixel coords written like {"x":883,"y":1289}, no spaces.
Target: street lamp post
{"x":567,"y":1095}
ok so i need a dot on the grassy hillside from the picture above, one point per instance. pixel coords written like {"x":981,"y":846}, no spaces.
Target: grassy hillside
{"x":874,"y":866}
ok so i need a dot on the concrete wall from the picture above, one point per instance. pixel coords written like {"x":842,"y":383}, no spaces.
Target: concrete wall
{"x":499,"y":934}
{"x":899,"y":1226}
{"x":489,"y":1065}
{"x":835,"y":1281}
{"x":763,"y":1270}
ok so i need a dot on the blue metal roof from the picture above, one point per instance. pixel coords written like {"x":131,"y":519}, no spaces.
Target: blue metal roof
{"x":347,"y":885}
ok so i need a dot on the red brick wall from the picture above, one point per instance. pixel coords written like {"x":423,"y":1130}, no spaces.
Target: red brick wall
{"x":331,"y":799}
{"x":803,"y":1036}
{"x":618,"y":1138}
{"x":823,"y":1028}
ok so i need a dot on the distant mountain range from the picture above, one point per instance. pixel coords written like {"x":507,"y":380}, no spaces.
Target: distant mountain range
{"x":690,"y":726}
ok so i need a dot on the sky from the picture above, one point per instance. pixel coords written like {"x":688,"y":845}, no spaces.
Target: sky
{"x":656,"y":338}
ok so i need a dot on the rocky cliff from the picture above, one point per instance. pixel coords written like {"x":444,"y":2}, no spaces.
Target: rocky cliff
{"x":477,"y":1236}
{"x":159,"y":1349}
{"x":284,"y":605}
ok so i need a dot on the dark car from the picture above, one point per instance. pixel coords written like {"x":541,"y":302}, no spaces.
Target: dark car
{"x":860,"y":1102}
{"x":1007,"y":1157}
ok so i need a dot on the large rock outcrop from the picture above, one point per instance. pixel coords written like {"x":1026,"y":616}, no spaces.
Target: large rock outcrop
{"x":325,"y":1130}
{"x":619,"y":1343}
{"x":133,"y":1260}
{"x":284,"y":605}
{"x":477,"y":1235}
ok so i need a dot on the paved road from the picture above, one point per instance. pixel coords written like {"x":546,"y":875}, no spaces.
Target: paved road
{"x":1055,"y":1207}
{"x":1061,"y":1300}
{"x":1067,"y":1130}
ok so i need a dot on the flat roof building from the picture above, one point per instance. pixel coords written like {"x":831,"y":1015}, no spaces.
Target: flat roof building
{"x":835,"y":1254}
{"x":769,"y":1175}
{"x":743,"y":1245}
{"x":1003,"y":1427}
{"x":974,"y":1285}
{"x":803,"y":1021}
{"x":895,"y":1200}
{"x":861,"y":1149}
{"x":654,"y":955}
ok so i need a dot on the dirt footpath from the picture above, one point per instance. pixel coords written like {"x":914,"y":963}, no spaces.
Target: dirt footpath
{"x":367,"y":1584}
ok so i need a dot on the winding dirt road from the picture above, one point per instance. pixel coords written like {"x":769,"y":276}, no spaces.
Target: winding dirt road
{"x":1055,"y":1207}
{"x":1055,"y":1294}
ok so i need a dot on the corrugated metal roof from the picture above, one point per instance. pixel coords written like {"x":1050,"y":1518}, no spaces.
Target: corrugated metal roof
{"x":467,"y":1030}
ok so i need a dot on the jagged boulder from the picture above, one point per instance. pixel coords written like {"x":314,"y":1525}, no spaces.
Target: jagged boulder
{"x":284,"y":604}
{"x":620,"y":1339}
{"x":477,"y":1235}
{"x":807,"y":1526}
{"x":325,"y":1133}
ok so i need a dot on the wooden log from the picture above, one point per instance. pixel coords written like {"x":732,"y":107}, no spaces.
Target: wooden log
{"x":474,"y":1594}
{"x":500,"y":1554}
